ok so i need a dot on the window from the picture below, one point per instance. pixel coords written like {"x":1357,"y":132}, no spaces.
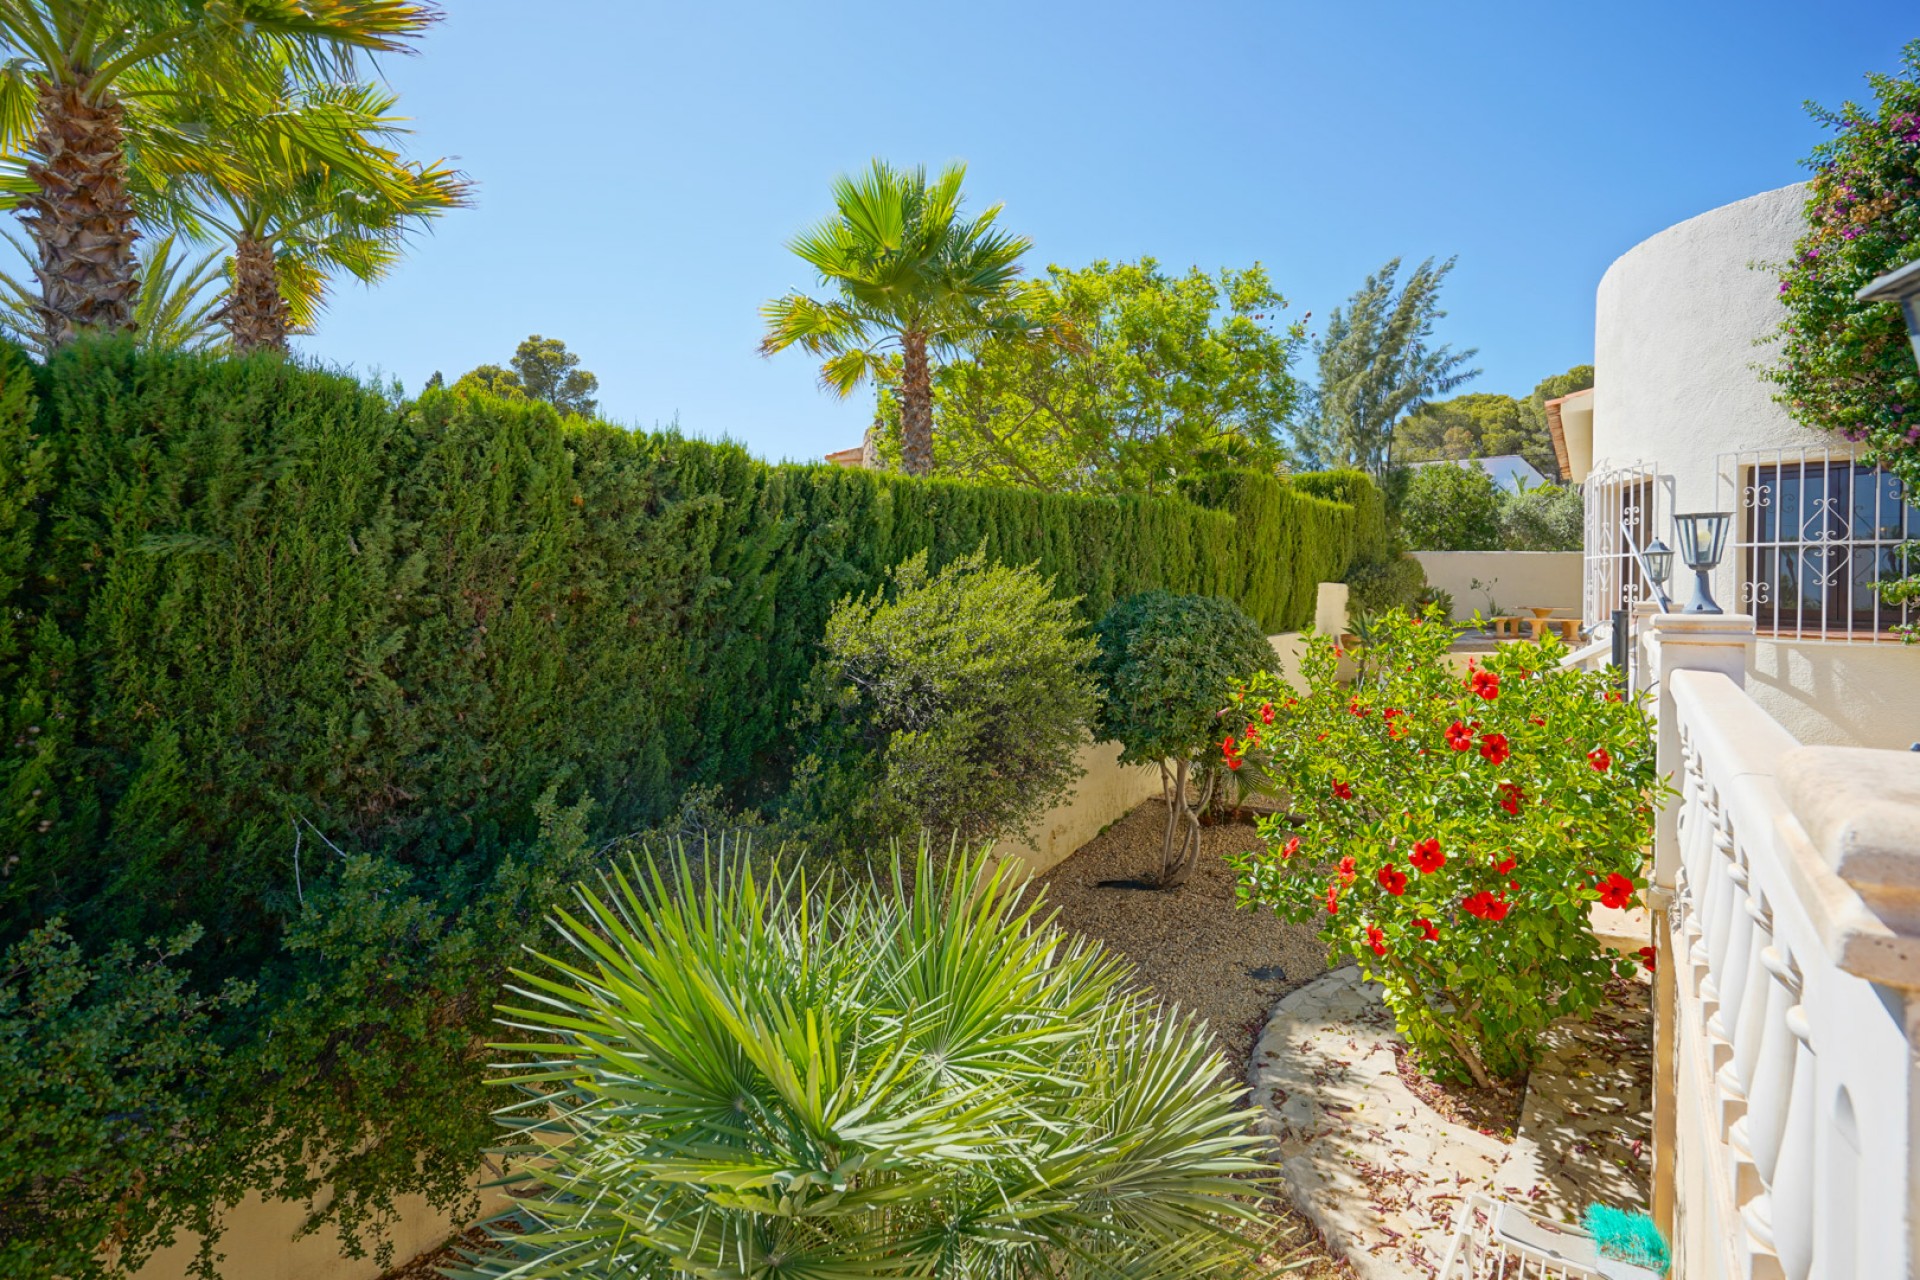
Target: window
{"x":1815,"y":535}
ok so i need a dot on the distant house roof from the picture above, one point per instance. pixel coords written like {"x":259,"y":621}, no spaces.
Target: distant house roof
{"x":847,"y":457}
{"x":1509,"y":470}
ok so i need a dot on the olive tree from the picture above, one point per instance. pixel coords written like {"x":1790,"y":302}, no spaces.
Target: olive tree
{"x":1167,"y":664}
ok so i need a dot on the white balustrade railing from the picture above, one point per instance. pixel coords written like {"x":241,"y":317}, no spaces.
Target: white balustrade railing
{"x":1789,"y":879}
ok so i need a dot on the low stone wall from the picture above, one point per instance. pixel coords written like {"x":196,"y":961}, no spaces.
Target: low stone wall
{"x":1516,"y":580}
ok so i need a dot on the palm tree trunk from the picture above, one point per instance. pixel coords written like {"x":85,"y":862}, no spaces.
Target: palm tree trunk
{"x":916,"y":406}
{"x":81,"y":216}
{"x":256,"y":313}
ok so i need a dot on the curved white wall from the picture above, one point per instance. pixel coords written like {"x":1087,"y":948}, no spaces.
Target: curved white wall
{"x":1683,"y":326}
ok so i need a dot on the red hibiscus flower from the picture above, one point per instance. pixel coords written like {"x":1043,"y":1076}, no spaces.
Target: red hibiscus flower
{"x":1426,"y":930}
{"x":1511,"y":794}
{"x":1485,"y":905}
{"x":1233,"y":762}
{"x":1333,"y":900}
{"x":1266,"y":713}
{"x":1599,"y":759}
{"x":1348,"y":872}
{"x":1226,"y":748}
{"x":1459,"y":737}
{"x":1613,"y":695}
{"x":1648,"y":957}
{"x":1426,"y":855}
{"x":1494,"y":748}
{"x":1290,"y":848}
{"x":1343,"y":791}
{"x":1535,"y":720}
{"x":1391,"y":712}
{"x":1616,"y":891}
{"x":1505,"y":865}
{"x":1376,"y":939}
{"x":1486,"y":684}
{"x":1393,"y":880}
{"x":1354,"y":708}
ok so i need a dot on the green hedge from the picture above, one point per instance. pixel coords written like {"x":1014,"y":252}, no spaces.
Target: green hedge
{"x":314,"y":672}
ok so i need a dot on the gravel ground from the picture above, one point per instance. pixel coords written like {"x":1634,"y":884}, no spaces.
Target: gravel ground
{"x":1194,"y":948}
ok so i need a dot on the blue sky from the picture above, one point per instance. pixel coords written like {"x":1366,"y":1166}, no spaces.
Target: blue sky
{"x":641,"y":165}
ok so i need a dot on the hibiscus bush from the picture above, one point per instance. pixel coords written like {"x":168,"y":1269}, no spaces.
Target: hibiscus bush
{"x":1450,"y":829}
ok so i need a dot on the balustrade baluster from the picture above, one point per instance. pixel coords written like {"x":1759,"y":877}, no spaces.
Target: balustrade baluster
{"x":1753,"y":993}
{"x":1758,"y":1135}
{"x":1711,"y":950}
{"x":1736,"y":972}
{"x":1788,"y":1207}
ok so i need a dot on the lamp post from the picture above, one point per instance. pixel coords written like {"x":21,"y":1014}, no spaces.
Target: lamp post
{"x":1901,"y":285}
{"x":1702,"y":536}
{"x":1659,"y":558}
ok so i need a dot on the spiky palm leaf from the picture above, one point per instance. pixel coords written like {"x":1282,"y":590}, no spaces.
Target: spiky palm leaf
{"x":909,"y":274}
{"x":762,"y":1077}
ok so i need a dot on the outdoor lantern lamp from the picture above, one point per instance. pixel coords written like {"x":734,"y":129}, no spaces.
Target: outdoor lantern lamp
{"x":1659,"y":558}
{"x":1703,"y":537}
{"x":1902,"y":286}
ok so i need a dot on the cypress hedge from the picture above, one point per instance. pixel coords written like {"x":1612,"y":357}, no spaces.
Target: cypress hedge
{"x":327,"y":696}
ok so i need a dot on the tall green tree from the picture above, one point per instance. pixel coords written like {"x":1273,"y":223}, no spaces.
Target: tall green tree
{"x":541,"y":369}
{"x":908,"y":274}
{"x":307,"y":184}
{"x":1376,"y":365}
{"x":78,"y":68}
{"x":1140,"y":376}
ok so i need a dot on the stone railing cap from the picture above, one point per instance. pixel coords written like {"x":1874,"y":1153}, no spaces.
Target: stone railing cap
{"x":1860,"y":810}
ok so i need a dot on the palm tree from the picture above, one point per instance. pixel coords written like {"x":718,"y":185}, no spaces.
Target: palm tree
{"x":304,"y":187}
{"x":910,"y":275}
{"x":178,"y":310}
{"x":81,"y":66}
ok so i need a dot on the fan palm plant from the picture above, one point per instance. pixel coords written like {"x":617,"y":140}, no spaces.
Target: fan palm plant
{"x":910,"y":274}
{"x":305,"y":185}
{"x":80,"y":66}
{"x":739,"y":1077}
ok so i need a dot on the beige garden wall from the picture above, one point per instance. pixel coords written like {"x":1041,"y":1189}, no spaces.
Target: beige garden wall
{"x":1520,"y":579}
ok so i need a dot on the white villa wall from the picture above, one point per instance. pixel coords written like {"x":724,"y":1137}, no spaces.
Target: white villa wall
{"x":1518,"y":579}
{"x":1682,"y":329}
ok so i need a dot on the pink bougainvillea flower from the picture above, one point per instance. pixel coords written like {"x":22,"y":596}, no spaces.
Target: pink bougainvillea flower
{"x":1426,"y":856}
{"x":1600,"y":759}
{"x":1426,"y":930}
{"x":1616,"y":891}
{"x":1392,"y":879}
{"x":1343,"y":791}
{"x":1377,"y":939}
{"x":1459,"y":737}
{"x":1494,"y":747}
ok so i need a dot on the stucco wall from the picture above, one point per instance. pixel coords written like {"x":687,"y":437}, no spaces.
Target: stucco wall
{"x":1518,"y":579}
{"x":1682,"y":330}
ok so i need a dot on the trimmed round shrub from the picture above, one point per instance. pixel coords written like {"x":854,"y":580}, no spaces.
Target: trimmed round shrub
{"x":960,"y":700}
{"x":747,"y":1077}
{"x":1450,"y":830}
{"x":1166,"y":667}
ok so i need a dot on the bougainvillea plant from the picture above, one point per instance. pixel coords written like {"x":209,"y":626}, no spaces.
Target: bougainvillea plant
{"x":1449,"y":826}
{"x":1846,"y":366}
